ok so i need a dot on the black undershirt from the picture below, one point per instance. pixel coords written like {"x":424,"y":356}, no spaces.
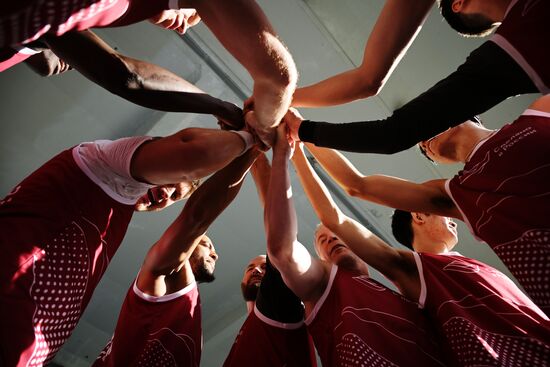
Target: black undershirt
{"x":488,"y":76}
{"x":275,"y":300}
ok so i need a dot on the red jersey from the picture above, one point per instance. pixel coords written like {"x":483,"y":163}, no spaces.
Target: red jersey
{"x":156,"y":331}
{"x":524,"y":34}
{"x":27,"y":20}
{"x":485,"y":319}
{"x":58,"y":232}
{"x":503,"y":193}
{"x":359,"y":322}
{"x":269,"y":343}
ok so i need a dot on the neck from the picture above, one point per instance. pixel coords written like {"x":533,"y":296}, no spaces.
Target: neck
{"x":496,"y":9}
{"x":430,"y":246}
{"x":468,"y":141}
{"x":249,"y":306}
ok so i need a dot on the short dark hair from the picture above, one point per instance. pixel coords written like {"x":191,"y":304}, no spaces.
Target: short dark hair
{"x":472,"y":25}
{"x":401,"y":227}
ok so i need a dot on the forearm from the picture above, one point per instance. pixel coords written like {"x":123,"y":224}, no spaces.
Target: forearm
{"x":338,"y":167}
{"x":138,"y":81}
{"x":244,"y":30}
{"x":339,"y":89}
{"x":261,"y":173}
{"x":394,"y":31}
{"x":280,"y":215}
{"x":488,"y":77}
{"x":200,"y":211}
{"x":317,"y":193}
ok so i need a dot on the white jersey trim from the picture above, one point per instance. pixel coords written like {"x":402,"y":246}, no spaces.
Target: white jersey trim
{"x":518,"y":57}
{"x":464,"y":217}
{"x":277,"y":324}
{"x":321,"y":300}
{"x":423,"y":289}
{"x":168,"y":297}
{"x":531,"y":112}
{"x":124,"y":177}
{"x":510,"y":6}
{"x":25,"y":50}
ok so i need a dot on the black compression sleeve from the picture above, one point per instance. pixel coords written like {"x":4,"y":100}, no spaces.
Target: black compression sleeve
{"x":488,"y":76}
{"x":275,"y":300}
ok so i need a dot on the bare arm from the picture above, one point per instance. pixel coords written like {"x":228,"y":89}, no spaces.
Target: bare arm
{"x":396,"y":265}
{"x":306,"y":276}
{"x":188,"y":155}
{"x":394,"y":31}
{"x":541,"y":104}
{"x":138,"y":81}
{"x":261,"y":172}
{"x":244,"y":30}
{"x":173,"y":249}
{"x":428,"y":197}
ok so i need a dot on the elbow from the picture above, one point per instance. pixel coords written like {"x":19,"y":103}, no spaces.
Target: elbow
{"x":354,"y":192}
{"x":120,"y":78}
{"x":332,"y":220}
{"x":369,"y":88}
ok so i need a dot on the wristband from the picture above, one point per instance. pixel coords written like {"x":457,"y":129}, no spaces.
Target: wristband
{"x":247,"y":138}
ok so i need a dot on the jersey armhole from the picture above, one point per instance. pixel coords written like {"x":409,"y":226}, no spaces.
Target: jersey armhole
{"x":321,"y":300}
{"x":423,"y":291}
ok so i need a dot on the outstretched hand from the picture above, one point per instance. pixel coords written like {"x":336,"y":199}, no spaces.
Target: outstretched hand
{"x":293,"y":119}
{"x":179,"y":20}
{"x":284,"y":144}
{"x":266,"y":136}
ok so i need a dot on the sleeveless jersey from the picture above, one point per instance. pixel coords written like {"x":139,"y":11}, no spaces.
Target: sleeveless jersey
{"x":503,"y":193}
{"x":524,"y":34}
{"x":58,"y":232}
{"x":24,"y":21}
{"x":484,"y":318}
{"x":269,"y":343}
{"x":359,"y":322}
{"x":156,"y":331}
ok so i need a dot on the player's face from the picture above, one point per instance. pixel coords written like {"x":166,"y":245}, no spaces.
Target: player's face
{"x":252,"y":277}
{"x":203,"y":260}
{"x":162,"y":196}
{"x":442,"y":231}
{"x":329,"y":247}
{"x":254,"y":271}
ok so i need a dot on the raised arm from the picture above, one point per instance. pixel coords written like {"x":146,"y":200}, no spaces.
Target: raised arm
{"x":137,"y":81}
{"x":244,"y":30}
{"x":306,"y":276}
{"x":261,"y":173}
{"x":178,"y":242}
{"x":488,"y":76}
{"x":396,"y":265}
{"x":394,"y":192}
{"x":188,"y":155}
{"x":394,"y":31}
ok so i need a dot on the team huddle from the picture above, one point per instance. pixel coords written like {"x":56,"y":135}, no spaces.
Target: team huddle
{"x":61,"y":225}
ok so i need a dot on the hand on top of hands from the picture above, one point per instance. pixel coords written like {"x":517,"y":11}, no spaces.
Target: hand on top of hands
{"x":266,"y":137}
{"x":293,"y":119}
{"x":284,"y":144}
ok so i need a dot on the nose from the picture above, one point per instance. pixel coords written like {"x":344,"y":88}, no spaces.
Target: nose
{"x":257,"y":270}
{"x":214,"y":255}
